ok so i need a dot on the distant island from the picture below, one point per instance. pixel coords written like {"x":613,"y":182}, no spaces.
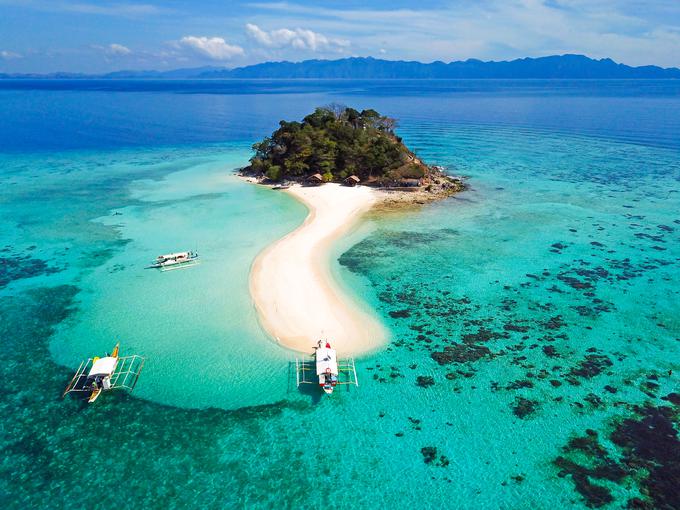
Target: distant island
{"x":552,"y":67}
{"x":340,"y":144}
{"x":549,"y":67}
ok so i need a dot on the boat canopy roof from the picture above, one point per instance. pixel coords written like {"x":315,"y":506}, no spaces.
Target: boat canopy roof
{"x":326,"y":358}
{"x":174,"y":255}
{"x":103,"y":366}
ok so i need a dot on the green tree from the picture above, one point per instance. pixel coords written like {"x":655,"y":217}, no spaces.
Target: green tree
{"x":274,"y":172}
{"x":336,"y":142}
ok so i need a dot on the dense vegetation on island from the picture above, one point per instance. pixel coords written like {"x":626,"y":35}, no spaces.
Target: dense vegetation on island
{"x":548,"y":67}
{"x":336,"y":142}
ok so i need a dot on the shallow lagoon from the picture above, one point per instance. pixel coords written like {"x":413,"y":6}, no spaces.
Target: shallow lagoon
{"x":555,"y":276}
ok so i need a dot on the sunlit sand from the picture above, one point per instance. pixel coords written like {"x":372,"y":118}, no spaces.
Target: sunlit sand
{"x":297,"y":298}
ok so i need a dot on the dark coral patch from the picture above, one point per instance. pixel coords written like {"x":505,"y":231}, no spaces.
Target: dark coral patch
{"x":482,"y":335}
{"x":673,"y":398}
{"x":594,"y":464}
{"x":651,"y":442}
{"x":18,"y":267}
{"x":429,"y":454}
{"x":592,"y":365}
{"x":515,"y":327}
{"x":425,"y":381}
{"x":519,"y":384}
{"x":649,"y":454}
{"x":554,"y":323}
{"x":460,"y":353}
{"x":550,"y":351}
{"x":574,"y":283}
{"x":523,"y":407}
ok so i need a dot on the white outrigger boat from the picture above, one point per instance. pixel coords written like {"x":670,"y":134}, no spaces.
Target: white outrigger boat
{"x":329,"y":371}
{"x":102,"y":374}
{"x":177,"y":260}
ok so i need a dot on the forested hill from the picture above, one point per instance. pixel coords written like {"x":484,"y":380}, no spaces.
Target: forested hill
{"x":571,"y":67}
{"x":336,"y":142}
{"x":556,"y":66}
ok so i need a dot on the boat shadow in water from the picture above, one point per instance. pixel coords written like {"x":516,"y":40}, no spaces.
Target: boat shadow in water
{"x":81,"y":404}
{"x":314,"y":392}
{"x":310,"y":390}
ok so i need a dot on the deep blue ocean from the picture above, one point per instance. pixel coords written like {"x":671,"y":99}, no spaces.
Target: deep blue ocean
{"x":76,"y":114}
{"x":534,"y":353}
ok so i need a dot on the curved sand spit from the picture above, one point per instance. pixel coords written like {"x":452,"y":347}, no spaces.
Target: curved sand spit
{"x":296,"y":297}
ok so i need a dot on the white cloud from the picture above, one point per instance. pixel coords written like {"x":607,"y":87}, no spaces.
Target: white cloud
{"x":8,"y":55}
{"x":298,"y":38}
{"x":631,"y":32}
{"x":117,"y":50}
{"x":214,"y":48}
{"x":113,"y":50}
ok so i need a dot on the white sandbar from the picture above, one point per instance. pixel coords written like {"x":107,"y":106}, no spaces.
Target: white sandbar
{"x":295,"y":294}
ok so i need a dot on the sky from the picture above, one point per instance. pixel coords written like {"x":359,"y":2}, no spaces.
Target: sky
{"x":95,"y":36}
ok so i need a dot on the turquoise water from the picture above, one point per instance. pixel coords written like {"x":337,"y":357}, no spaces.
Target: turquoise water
{"x":198,"y":328}
{"x":536,"y":308}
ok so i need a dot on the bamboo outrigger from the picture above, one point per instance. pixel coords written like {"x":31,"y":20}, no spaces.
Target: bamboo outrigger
{"x":171,"y":261}
{"x":329,"y":370}
{"x":108,"y":373}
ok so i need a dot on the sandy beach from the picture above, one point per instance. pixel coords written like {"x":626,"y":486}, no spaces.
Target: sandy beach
{"x":297,"y":299}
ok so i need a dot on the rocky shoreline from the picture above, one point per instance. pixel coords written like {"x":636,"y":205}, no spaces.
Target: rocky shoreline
{"x":436,"y":186}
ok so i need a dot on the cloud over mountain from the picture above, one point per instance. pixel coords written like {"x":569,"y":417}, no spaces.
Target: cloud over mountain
{"x":118,"y":50}
{"x":298,"y":38}
{"x":8,"y":55}
{"x":214,"y":48}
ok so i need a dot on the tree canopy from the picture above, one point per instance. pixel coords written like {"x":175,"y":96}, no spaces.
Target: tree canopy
{"x":336,"y":142}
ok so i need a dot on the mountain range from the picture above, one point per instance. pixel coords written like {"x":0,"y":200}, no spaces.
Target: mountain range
{"x":551,"y":67}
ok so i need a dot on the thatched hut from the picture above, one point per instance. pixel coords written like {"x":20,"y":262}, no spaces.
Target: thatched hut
{"x":352,"y":180}
{"x":314,"y":180}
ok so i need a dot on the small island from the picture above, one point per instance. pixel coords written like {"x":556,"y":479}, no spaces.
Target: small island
{"x":342,"y":145}
{"x":320,"y":161}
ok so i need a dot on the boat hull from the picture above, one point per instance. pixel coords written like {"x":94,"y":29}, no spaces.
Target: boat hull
{"x":94,"y":395}
{"x":168,"y":266}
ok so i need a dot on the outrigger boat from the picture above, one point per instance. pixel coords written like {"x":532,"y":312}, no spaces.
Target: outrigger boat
{"x":329,"y":371}
{"x":177,"y":260}
{"x":102,"y":374}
